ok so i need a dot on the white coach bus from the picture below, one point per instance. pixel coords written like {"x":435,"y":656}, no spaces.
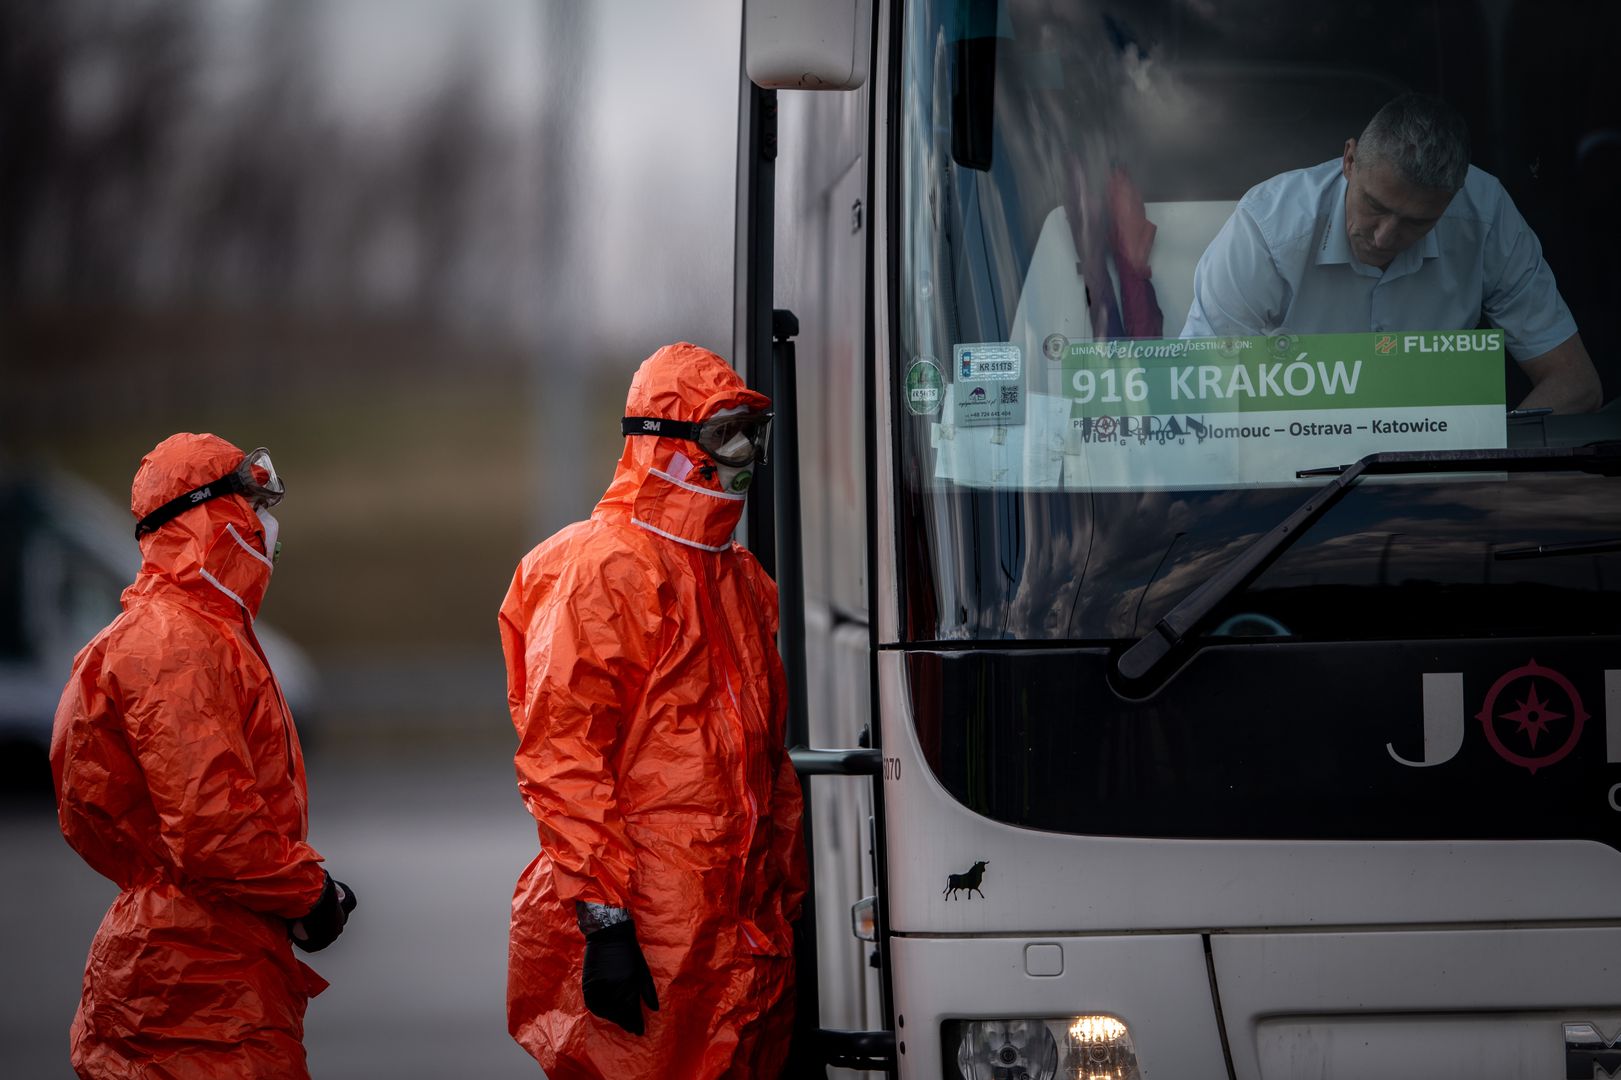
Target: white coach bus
{"x":1213,"y":704}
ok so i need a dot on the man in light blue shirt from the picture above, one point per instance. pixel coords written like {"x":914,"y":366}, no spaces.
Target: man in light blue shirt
{"x":1400,"y":233}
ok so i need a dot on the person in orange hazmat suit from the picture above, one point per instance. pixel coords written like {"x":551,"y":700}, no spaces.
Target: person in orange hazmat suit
{"x":179,"y":776}
{"x":652,"y":936}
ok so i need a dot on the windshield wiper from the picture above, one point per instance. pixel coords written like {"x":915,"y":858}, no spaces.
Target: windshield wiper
{"x":1185,"y":619}
{"x":1548,"y":551}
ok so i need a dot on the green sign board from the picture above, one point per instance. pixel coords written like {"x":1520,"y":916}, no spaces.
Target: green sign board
{"x":1235,"y":412}
{"x":1284,"y":373}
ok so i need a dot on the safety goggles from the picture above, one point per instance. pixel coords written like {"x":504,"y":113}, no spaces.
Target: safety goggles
{"x":713,"y":436}
{"x":255,"y":480}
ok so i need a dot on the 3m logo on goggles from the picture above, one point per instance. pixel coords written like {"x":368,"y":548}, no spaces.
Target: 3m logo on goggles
{"x":714,"y":436}
{"x":243,"y":480}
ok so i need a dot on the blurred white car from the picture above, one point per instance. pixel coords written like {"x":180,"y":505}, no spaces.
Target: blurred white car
{"x":66,"y":554}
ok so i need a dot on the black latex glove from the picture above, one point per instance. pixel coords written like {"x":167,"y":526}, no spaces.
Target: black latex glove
{"x":616,"y":980}
{"x":321,"y":927}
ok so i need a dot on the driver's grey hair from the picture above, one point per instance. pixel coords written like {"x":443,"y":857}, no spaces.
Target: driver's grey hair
{"x":1423,"y":137}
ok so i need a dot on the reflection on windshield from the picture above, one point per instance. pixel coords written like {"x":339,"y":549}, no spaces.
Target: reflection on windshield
{"x":1158,"y":256}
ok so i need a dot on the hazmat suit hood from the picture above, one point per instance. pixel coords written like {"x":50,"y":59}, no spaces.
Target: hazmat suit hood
{"x":214,"y":551}
{"x":670,"y":486}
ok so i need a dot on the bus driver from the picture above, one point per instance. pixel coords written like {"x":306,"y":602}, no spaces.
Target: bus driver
{"x":1400,"y":233}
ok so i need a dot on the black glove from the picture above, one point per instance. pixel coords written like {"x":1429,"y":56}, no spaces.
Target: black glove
{"x":321,"y":927}
{"x":616,"y":976}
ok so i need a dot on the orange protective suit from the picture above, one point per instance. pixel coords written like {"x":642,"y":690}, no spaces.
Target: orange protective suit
{"x":649,"y":699}
{"x":179,"y":776}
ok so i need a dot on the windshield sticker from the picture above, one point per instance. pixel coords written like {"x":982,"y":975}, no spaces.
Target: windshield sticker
{"x":923,"y":387}
{"x":1031,"y":456}
{"x":990,"y":361}
{"x":989,"y":384}
{"x":1229,"y":412}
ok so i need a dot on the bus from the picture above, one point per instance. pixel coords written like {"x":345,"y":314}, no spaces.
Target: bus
{"x":1240,"y":705}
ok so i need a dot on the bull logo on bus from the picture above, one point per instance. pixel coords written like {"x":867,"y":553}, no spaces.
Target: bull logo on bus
{"x":1532,"y":717}
{"x":967,"y":882}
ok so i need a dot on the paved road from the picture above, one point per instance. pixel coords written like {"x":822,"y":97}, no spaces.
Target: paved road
{"x":418,"y":981}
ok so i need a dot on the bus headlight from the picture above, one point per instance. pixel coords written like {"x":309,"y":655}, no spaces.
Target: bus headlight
{"x":1094,"y":1047}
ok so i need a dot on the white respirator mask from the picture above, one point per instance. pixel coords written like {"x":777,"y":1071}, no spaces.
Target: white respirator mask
{"x":272,"y":529}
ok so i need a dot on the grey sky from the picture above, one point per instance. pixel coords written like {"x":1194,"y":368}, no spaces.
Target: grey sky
{"x":647,"y":252}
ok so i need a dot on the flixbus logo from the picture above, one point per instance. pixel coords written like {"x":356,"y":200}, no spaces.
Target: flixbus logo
{"x":1532,"y":717}
{"x":1469,"y":341}
{"x":1385,"y":345}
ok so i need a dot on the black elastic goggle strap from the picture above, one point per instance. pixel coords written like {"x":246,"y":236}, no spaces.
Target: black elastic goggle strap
{"x":658,"y":425}
{"x":229,"y":484}
{"x":757,"y":424}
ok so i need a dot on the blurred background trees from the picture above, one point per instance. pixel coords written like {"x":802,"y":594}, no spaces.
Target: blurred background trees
{"x":158,"y":153}
{"x":415,"y":248}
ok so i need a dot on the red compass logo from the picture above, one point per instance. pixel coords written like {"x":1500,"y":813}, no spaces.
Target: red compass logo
{"x":1526,"y":708}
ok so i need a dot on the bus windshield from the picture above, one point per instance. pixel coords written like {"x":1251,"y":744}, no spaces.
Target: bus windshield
{"x":1157,"y":258}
